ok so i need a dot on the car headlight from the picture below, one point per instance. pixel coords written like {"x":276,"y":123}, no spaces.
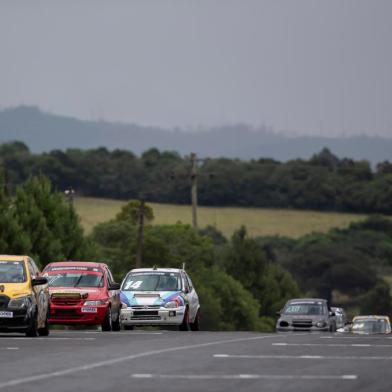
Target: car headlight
{"x":172,"y":304}
{"x":94,"y":303}
{"x":321,"y":324}
{"x":20,"y":303}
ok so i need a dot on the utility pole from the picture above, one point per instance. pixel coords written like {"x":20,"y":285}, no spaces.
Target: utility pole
{"x":194,"y":189}
{"x":140,"y":236}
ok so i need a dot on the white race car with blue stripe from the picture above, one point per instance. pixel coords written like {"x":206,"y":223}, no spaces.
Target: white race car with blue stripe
{"x":159,"y":296}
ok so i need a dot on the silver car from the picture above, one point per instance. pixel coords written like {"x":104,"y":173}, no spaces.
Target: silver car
{"x":159,"y":296}
{"x":306,"y":314}
{"x":340,"y":317}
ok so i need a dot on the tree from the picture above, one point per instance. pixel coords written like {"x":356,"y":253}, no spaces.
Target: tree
{"x":50,"y":223}
{"x":269,"y":283}
{"x":12,"y":239}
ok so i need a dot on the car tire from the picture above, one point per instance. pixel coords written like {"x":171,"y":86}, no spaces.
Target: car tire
{"x":184,"y":326}
{"x":32,"y":331}
{"x":107,"y":321}
{"x":195,"y":326}
{"x":116,"y":324}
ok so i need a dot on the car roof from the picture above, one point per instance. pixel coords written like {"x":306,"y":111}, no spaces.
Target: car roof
{"x":13,"y":257}
{"x":77,"y":263}
{"x":156,"y":270}
{"x":306,"y":300}
{"x":371,"y":317}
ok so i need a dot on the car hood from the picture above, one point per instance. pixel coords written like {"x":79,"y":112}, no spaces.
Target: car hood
{"x":14,"y":290}
{"x":149,"y":298}
{"x":290,"y":317}
{"x":83,"y":292}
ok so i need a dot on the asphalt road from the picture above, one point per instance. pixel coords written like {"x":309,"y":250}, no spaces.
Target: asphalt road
{"x":194,"y":361}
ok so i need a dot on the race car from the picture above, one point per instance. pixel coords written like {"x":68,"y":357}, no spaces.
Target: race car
{"x":368,"y":325}
{"x":159,"y":296}
{"x":306,"y":314}
{"x":24,"y":297}
{"x":83,"y":293}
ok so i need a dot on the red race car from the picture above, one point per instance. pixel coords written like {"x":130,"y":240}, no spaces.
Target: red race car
{"x":83,"y":293}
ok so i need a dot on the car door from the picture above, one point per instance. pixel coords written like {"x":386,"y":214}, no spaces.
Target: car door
{"x":41,"y":294}
{"x":113,"y":294}
{"x":191,"y":297}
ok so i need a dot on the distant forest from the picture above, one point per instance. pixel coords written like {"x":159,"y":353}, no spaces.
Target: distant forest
{"x":323,"y":182}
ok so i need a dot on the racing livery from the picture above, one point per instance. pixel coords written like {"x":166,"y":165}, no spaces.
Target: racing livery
{"x":159,"y":296}
{"x":24,"y":297}
{"x":83,"y":293}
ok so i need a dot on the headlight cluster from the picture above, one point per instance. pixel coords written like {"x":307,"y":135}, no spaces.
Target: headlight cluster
{"x":173,"y":304}
{"x":321,"y":324}
{"x":20,"y":303}
{"x":94,"y":303}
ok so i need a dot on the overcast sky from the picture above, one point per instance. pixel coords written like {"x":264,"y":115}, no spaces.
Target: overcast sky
{"x":302,"y":66}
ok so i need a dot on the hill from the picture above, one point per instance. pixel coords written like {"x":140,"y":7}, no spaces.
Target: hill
{"x":44,"y":131}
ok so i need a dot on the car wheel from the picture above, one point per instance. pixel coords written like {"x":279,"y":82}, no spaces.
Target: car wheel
{"x":116,"y":324}
{"x":195,"y":326}
{"x":184,"y":326}
{"x":45,"y":330}
{"x":32,"y":331}
{"x":107,"y":321}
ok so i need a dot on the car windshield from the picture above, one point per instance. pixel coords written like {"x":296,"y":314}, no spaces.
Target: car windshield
{"x":370,"y":326}
{"x":75,"y":279}
{"x":152,"y":281}
{"x":12,"y":272}
{"x":306,"y":308}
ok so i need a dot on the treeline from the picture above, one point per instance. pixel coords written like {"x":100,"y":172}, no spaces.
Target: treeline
{"x":241,"y":281}
{"x":324,"y":182}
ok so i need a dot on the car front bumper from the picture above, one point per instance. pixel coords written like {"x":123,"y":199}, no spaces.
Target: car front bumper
{"x":161,"y":316}
{"x":19,"y":322}
{"x":77,"y":315}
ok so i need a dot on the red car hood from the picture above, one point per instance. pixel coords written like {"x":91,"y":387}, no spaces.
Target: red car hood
{"x":92,"y":293}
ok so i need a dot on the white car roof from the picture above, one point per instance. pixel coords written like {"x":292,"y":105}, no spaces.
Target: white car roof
{"x":156,"y":270}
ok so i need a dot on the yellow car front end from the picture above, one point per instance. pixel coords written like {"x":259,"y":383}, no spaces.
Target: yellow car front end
{"x":23,"y":297}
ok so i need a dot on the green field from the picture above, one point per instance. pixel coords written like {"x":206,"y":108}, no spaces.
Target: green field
{"x":259,"y":221}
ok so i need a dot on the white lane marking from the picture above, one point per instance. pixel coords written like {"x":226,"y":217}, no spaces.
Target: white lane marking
{"x":9,"y":348}
{"x":246,"y":376}
{"x":95,"y":365}
{"x":114,"y":334}
{"x":47,"y":339}
{"x":331,"y":345}
{"x":239,"y":356}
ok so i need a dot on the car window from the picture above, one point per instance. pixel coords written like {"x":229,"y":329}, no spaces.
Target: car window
{"x":152,"y":281}
{"x":12,"y":272}
{"x":32,"y":268}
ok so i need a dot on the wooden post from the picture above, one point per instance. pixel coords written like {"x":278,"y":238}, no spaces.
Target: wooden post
{"x":194,"y":189}
{"x":140,"y":237}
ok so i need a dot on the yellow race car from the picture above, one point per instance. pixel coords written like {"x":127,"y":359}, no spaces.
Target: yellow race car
{"x":371,"y":325}
{"x":24,"y":297}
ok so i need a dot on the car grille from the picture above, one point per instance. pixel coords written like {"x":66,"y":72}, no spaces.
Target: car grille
{"x":147,"y":318}
{"x":65,"y":312}
{"x":145,"y":313}
{"x":62,"y":301}
{"x":302,"y":324}
{"x":4,"y":301}
{"x":146,"y":306}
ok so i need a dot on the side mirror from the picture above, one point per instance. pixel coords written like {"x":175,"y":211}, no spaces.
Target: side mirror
{"x":39,"y":280}
{"x":115,"y":286}
{"x":278,"y":313}
{"x":332,"y":314}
